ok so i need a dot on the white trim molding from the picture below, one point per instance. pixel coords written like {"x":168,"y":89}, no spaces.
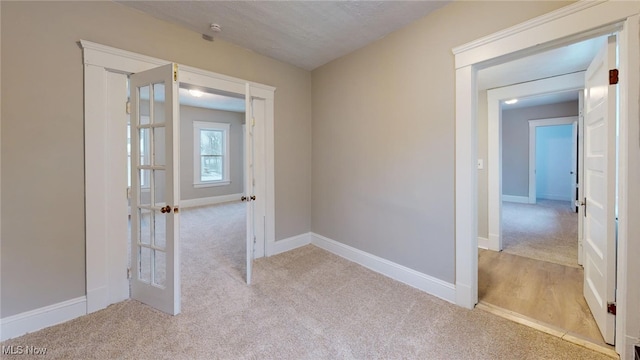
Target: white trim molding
{"x":483,"y":243}
{"x":516,"y":199}
{"x":418,"y":280}
{"x":533,"y":125}
{"x":291,"y":243}
{"x":575,"y":22}
{"x":569,"y":82}
{"x":105,"y":272}
{"x":212,"y":200}
{"x":34,"y":320}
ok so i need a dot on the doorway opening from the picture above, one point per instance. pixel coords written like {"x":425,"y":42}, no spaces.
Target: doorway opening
{"x":213,"y":218}
{"x":537,"y":274}
{"x":106,"y":70}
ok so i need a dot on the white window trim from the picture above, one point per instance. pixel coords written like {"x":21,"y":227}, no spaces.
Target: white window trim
{"x":197,"y":127}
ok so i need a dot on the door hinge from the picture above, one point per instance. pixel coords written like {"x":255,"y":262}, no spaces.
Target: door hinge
{"x":613,"y":76}
{"x":175,"y":72}
{"x":128,"y":273}
{"x":128,"y":107}
{"x":611,"y":308}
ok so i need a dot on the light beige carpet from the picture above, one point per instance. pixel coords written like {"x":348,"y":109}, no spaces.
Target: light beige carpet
{"x":546,"y":231}
{"x":304,"y":304}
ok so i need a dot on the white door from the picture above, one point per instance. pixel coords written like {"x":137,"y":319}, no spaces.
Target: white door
{"x":249,"y":183}
{"x":599,"y":189}
{"x":155,"y":265}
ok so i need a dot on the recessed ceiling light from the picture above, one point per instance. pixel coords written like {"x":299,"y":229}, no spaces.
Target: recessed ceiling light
{"x":195,"y":93}
{"x":511,"y":102}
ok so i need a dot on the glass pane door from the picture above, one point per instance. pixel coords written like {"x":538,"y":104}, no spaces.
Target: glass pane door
{"x":154,"y":215}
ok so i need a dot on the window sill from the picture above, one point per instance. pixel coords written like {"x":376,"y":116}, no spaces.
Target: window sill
{"x":211,"y":184}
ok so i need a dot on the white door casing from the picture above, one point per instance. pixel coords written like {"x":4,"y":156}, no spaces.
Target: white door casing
{"x":573,"y":195}
{"x":249,"y":195}
{"x":533,"y":126}
{"x":572,"y":23}
{"x":580,"y":176}
{"x":155,"y":229}
{"x":599,"y":189}
{"x":107,"y":281}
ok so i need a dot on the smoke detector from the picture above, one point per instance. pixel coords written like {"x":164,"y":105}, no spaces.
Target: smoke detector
{"x":216,"y":28}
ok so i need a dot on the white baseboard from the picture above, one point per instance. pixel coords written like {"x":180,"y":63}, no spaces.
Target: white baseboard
{"x":516,"y":199}
{"x":291,"y":243}
{"x":426,"y":283}
{"x":483,"y":243}
{"x":209,"y":200}
{"x":494,"y":242}
{"x":30,"y":321}
{"x":553,"y":197}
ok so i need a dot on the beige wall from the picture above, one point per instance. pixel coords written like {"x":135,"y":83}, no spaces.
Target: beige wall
{"x":43,"y":255}
{"x":189,"y":114}
{"x":383,"y":137}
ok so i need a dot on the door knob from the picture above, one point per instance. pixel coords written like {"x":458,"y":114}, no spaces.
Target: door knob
{"x":165,"y":209}
{"x":253,"y":197}
{"x":244,"y":198}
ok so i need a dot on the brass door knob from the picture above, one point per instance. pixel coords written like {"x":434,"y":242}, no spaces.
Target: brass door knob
{"x":165,"y":209}
{"x":244,"y":198}
{"x":253,"y":197}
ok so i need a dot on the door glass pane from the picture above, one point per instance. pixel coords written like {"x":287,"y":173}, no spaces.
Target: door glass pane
{"x":146,"y":222}
{"x":144,"y":264}
{"x":160,"y":230}
{"x":159,"y":186}
{"x":160,"y":269}
{"x":145,"y":148}
{"x":158,"y":103}
{"x":144,"y":106}
{"x":159,"y":146}
{"x":144,"y":191}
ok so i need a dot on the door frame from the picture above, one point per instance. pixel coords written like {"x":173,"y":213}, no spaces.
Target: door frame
{"x":533,"y":125}
{"x":572,"y":23}
{"x":106,"y":279}
{"x":562,"y":83}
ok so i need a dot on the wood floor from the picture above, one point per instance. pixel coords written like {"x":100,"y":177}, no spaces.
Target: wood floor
{"x":547,"y":292}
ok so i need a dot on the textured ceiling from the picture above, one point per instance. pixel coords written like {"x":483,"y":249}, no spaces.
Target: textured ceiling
{"x":306,"y":34}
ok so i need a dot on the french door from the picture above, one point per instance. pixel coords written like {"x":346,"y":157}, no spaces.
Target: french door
{"x":155,"y":276}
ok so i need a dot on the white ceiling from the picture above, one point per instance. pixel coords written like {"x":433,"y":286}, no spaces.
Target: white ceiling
{"x":309,"y":34}
{"x":559,"y":61}
{"x":306,"y":34}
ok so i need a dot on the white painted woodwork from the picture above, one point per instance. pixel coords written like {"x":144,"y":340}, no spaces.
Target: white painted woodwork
{"x":105,"y":275}
{"x":562,"y":83}
{"x":249,"y":182}
{"x":573,"y":195}
{"x":533,"y":124}
{"x":160,"y":287}
{"x":580,"y":176}
{"x":572,"y":23}
{"x":599,"y":189}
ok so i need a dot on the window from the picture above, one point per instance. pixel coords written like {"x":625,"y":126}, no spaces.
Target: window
{"x":211,"y":154}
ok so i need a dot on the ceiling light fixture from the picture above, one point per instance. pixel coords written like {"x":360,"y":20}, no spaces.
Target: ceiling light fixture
{"x":511,"y":102}
{"x":195,"y":93}
{"x":216,"y":28}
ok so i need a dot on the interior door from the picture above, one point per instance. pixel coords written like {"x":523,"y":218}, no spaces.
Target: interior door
{"x":155,"y":278}
{"x":599,"y":189}
{"x":249,"y":184}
